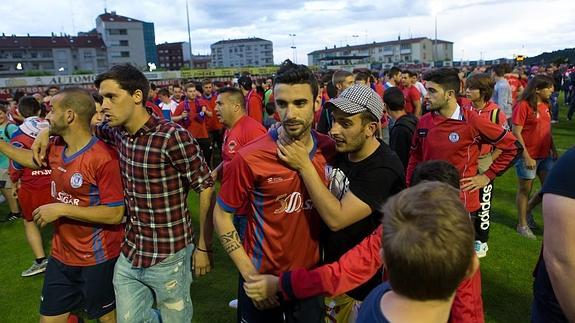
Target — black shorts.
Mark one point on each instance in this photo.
(68, 288)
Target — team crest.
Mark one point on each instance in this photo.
(76, 180)
(232, 146)
(454, 137)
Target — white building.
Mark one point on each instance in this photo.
(128, 40)
(242, 52)
(402, 51)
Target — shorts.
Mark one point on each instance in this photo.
(30, 199)
(543, 165)
(67, 288)
(5, 181)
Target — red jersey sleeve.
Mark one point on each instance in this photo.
(467, 303)
(520, 113)
(354, 268)
(237, 182)
(110, 182)
(501, 139)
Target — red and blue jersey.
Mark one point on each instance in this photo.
(89, 177)
(24, 138)
(283, 227)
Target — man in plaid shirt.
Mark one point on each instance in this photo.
(160, 161)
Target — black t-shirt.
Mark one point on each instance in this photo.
(400, 137)
(560, 181)
(372, 180)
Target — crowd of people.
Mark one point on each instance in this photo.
(343, 197)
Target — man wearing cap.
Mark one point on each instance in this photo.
(254, 102)
(365, 173)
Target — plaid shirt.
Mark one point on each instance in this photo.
(159, 164)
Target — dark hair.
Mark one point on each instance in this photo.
(362, 76)
(128, 77)
(482, 82)
(234, 94)
(393, 72)
(80, 101)
(206, 81)
(270, 108)
(499, 69)
(331, 90)
(4, 106)
(164, 92)
(394, 99)
(97, 98)
(410, 73)
(290, 73)
(153, 86)
(538, 82)
(436, 170)
(28, 106)
(427, 241)
(447, 78)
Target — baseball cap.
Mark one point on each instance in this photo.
(245, 82)
(359, 98)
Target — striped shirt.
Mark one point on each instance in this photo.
(159, 165)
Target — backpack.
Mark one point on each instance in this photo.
(6, 134)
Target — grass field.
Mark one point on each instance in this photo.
(506, 271)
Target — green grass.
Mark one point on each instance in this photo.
(506, 271)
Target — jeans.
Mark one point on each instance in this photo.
(555, 105)
(169, 280)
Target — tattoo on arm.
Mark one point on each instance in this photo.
(231, 241)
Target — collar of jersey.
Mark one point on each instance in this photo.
(274, 134)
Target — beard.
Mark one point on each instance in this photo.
(297, 133)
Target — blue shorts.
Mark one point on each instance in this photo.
(68, 288)
(543, 165)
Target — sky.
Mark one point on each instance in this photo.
(479, 29)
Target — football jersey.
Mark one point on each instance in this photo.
(283, 227)
(411, 95)
(89, 177)
(458, 141)
(536, 130)
(245, 130)
(24, 138)
(197, 123)
(212, 122)
(254, 106)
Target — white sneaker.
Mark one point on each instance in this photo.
(481, 248)
(233, 303)
(526, 232)
(35, 269)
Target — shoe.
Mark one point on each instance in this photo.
(526, 232)
(531, 222)
(12, 216)
(554, 121)
(233, 303)
(481, 248)
(35, 269)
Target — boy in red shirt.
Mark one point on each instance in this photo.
(34, 185)
(193, 114)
